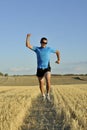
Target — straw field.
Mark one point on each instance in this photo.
(21, 108)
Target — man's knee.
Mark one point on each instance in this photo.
(47, 75)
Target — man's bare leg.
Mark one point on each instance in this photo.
(41, 85)
(48, 82)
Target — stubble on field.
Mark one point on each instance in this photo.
(21, 108)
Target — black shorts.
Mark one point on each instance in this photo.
(41, 72)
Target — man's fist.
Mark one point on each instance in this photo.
(28, 35)
(58, 62)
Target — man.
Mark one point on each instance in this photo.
(43, 64)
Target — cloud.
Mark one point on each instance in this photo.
(19, 69)
(62, 68)
(71, 67)
(80, 68)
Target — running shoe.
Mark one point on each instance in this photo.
(43, 98)
(48, 97)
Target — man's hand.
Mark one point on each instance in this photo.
(58, 62)
(28, 35)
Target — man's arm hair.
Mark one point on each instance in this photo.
(28, 41)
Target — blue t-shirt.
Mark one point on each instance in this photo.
(43, 56)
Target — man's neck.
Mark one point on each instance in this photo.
(43, 46)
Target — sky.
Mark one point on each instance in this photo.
(63, 22)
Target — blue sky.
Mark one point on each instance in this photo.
(63, 22)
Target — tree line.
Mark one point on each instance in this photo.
(1, 74)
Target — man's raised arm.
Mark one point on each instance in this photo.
(28, 41)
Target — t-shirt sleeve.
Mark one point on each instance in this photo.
(52, 50)
(34, 48)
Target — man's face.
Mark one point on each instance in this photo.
(44, 43)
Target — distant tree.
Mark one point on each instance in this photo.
(68, 74)
(1, 74)
(6, 75)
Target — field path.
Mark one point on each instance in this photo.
(42, 116)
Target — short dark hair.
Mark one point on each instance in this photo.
(43, 38)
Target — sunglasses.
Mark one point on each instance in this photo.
(44, 42)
